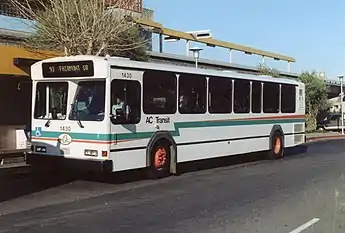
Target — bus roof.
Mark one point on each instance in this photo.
(138, 65)
(206, 72)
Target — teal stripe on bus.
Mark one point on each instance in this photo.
(175, 133)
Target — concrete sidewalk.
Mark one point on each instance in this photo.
(324, 136)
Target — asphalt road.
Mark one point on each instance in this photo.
(305, 190)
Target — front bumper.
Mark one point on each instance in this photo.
(51, 161)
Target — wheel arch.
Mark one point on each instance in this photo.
(167, 137)
(276, 128)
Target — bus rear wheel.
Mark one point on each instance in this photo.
(160, 160)
(277, 146)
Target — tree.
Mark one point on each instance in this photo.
(315, 97)
(265, 70)
(83, 27)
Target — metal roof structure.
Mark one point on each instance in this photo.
(13, 34)
(180, 60)
(7, 36)
(158, 28)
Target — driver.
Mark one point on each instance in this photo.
(120, 105)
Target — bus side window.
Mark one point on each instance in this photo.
(159, 95)
(271, 97)
(288, 98)
(220, 95)
(125, 102)
(192, 94)
(241, 96)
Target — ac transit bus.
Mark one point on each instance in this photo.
(113, 114)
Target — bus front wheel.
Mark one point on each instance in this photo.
(160, 160)
(276, 146)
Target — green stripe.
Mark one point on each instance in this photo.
(79, 136)
(176, 132)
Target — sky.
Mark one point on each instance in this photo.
(313, 32)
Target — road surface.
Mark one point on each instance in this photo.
(300, 193)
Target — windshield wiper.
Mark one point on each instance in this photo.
(47, 124)
(79, 123)
(53, 116)
(76, 114)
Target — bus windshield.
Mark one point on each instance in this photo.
(51, 100)
(89, 101)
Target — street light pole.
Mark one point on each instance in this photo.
(196, 54)
(187, 48)
(341, 102)
(200, 34)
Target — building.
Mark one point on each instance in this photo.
(132, 5)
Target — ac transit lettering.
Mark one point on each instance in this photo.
(149, 120)
(163, 120)
(157, 120)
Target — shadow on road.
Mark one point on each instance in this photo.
(20, 184)
(239, 160)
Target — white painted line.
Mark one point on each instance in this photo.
(305, 225)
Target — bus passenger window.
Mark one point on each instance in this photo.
(256, 97)
(159, 89)
(192, 94)
(125, 106)
(241, 96)
(288, 98)
(220, 95)
(271, 97)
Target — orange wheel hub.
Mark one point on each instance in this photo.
(277, 145)
(160, 157)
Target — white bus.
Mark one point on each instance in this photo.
(114, 114)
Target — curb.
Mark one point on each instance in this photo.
(314, 139)
(15, 169)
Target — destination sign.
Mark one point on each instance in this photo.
(68, 69)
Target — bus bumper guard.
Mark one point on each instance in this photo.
(69, 163)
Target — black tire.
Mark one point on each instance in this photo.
(163, 171)
(274, 154)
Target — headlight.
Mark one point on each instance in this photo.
(88, 152)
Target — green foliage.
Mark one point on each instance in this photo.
(315, 96)
(315, 92)
(265, 70)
